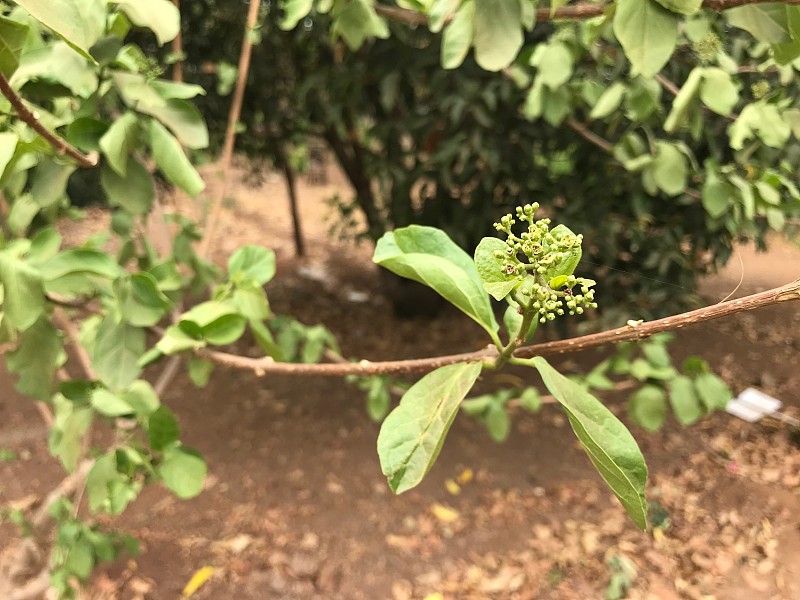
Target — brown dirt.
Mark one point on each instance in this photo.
(296, 507)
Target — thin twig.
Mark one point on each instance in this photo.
(68, 327)
(230, 135)
(583, 130)
(634, 331)
(572, 12)
(60, 144)
(177, 50)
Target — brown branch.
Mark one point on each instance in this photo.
(68, 327)
(177, 50)
(572, 12)
(583, 130)
(230, 133)
(634, 331)
(60, 144)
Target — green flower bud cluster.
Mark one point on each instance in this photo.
(760, 89)
(541, 291)
(708, 48)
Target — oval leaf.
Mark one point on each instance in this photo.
(429, 256)
(609, 444)
(412, 435)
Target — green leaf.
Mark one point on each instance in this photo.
(682, 102)
(118, 141)
(498, 33)
(531, 400)
(200, 371)
(44, 246)
(293, 12)
(760, 119)
(411, 437)
(142, 398)
(570, 259)
(141, 303)
(218, 322)
(66, 435)
(648, 407)
(429, 256)
(357, 20)
(50, 182)
(81, 260)
(719, 91)
(458, 35)
(183, 119)
(253, 263)
(183, 471)
(85, 133)
(177, 339)
(609, 101)
(498, 423)
(555, 65)
(766, 22)
(162, 429)
(116, 353)
(133, 192)
(684, 401)
(712, 391)
(669, 169)
(378, 398)
(159, 16)
(12, 41)
(648, 34)
(684, 7)
(490, 268)
(609, 444)
(109, 490)
(80, 23)
(717, 195)
(251, 302)
(8, 147)
(24, 300)
(37, 357)
(109, 404)
(439, 12)
(172, 161)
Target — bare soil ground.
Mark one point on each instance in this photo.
(296, 507)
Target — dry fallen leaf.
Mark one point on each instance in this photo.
(444, 513)
(452, 487)
(198, 579)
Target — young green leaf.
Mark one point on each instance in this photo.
(12, 41)
(37, 357)
(496, 281)
(498, 33)
(712, 391)
(648, 407)
(172, 161)
(684, 401)
(80, 23)
(162, 429)
(134, 191)
(183, 471)
(160, 16)
(684, 7)
(116, 353)
(109, 404)
(429, 256)
(458, 35)
(411, 437)
(253, 263)
(23, 300)
(648, 34)
(609, 444)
